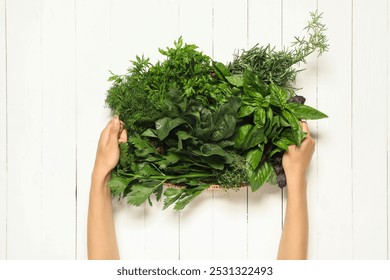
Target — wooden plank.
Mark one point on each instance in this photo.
(154, 232)
(230, 235)
(24, 96)
(58, 130)
(92, 65)
(126, 41)
(3, 132)
(195, 25)
(388, 135)
(368, 147)
(229, 28)
(295, 18)
(264, 206)
(334, 200)
(161, 227)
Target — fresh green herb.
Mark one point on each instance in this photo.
(272, 66)
(193, 122)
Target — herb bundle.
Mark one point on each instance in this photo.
(194, 122)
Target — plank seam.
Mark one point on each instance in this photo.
(76, 136)
(352, 147)
(387, 140)
(41, 122)
(6, 128)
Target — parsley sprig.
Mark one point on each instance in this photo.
(193, 122)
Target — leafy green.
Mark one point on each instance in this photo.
(193, 122)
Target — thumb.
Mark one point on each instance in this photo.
(114, 131)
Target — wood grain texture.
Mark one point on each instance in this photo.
(55, 58)
(369, 150)
(24, 115)
(334, 198)
(58, 130)
(92, 65)
(161, 227)
(388, 133)
(296, 14)
(156, 228)
(3, 132)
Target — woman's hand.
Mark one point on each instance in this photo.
(294, 240)
(297, 159)
(102, 242)
(107, 155)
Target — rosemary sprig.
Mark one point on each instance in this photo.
(277, 66)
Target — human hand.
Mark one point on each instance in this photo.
(107, 155)
(297, 159)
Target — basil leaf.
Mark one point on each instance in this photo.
(259, 176)
(292, 120)
(253, 83)
(302, 111)
(248, 136)
(241, 134)
(278, 96)
(236, 80)
(253, 157)
(284, 143)
(245, 111)
(259, 117)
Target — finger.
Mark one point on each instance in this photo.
(114, 131)
(123, 136)
(305, 127)
(104, 135)
(122, 126)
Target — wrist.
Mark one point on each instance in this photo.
(296, 185)
(100, 177)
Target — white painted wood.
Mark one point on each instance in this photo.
(229, 28)
(3, 134)
(264, 206)
(196, 22)
(369, 144)
(127, 41)
(52, 92)
(197, 228)
(296, 14)
(161, 227)
(196, 220)
(58, 130)
(92, 65)
(145, 35)
(334, 197)
(230, 233)
(388, 134)
(24, 96)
